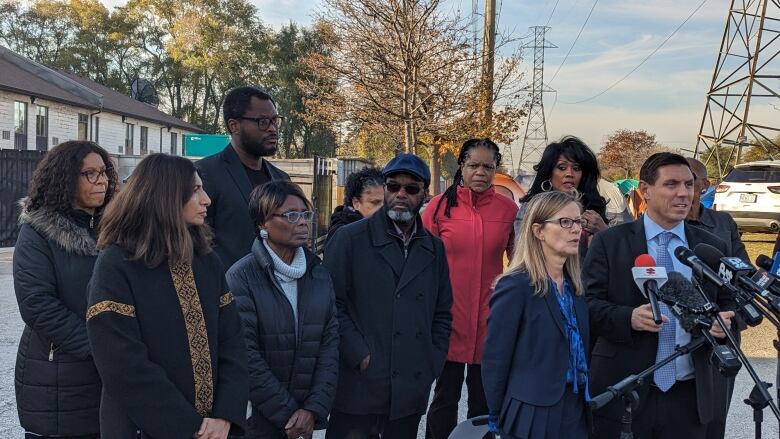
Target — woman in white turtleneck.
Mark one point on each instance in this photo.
(287, 305)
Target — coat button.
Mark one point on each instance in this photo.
(420, 296)
(397, 333)
(398, 296)
(395, 374)
(418, 335)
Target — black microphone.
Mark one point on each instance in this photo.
(700, 269)
(694, 312)
(689, 308)
(735, 270)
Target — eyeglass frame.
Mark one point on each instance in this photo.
(268, 121)
(298, 215)
(101, 173)
(405, 187)
(582, 222)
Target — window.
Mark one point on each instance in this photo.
(20, 117)
(144, 140)
(83, 125)
(174, 144)
(42, 121)
(129, 133)
(97, 129)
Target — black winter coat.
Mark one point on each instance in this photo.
(57, 385)
(342, 216)
(285, 373)
(228, 185)
(169, 346)
(393, 307)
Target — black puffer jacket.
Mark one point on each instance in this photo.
(342, 216)
(57, 385)
(286, 374)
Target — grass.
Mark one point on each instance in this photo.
(757, 341)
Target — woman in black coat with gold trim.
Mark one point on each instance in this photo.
(57, 385)
(162, 324)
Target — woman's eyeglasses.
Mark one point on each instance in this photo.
(411, 189)
(568, 223)
(295, 216)
(93, 175)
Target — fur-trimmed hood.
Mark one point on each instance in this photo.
(57, 227)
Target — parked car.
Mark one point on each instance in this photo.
(751, 194)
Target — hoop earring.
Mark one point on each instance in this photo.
(547, 189)
(263, 233)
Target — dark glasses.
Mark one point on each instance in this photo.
(411, 189)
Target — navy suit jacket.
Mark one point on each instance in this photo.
(527, 351)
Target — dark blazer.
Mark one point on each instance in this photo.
(396, 309)
(722, 225)
(286, 372)
(620, 351)
(227, 184)
(527, 349)
(57, 384)
(169, 346)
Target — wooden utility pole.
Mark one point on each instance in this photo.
(488, 60)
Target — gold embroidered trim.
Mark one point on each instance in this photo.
(187, 291)
(225, 299)
(109, 305)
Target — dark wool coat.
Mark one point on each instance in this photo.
(168, 344)
(393, 307)
(286, 373)
(57, 385)
(226, 182)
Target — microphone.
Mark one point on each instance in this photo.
(694, 312)
(769, 264)
(689, 308)
(735, 271)
(700, 269)
(648, 279)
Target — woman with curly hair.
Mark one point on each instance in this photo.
(568, 165)
(57, 385)
(364, 194)
(163, 327)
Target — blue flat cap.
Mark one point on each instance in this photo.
(408, 164)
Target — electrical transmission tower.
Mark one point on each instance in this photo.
(743, 103)
(535, 139)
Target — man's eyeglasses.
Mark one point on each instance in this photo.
(93, 175)
(411, 189)
(264, 122)
(568, 223)
(295, 216)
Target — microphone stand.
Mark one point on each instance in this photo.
(763, 398)
(626, 389)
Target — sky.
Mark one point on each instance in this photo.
(665, 97)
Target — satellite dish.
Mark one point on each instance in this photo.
(143, 90)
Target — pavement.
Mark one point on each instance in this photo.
(756, 342)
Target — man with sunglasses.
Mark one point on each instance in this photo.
(393, 297)
(230, 176)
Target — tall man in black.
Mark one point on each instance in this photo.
(677, 401)
(393, 297)
(229, 176)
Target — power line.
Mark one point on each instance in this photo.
(669, 37)
(555, 6)
(575, 41)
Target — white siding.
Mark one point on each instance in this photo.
(63, 126)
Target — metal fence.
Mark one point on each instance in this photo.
(16, 170)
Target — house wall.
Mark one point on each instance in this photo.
(63, 126)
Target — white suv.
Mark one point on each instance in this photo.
(751, 194)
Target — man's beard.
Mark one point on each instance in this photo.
(258, 149)
(400, 217)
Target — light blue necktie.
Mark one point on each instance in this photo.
(666, 376)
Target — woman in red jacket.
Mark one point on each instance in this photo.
(475, 223)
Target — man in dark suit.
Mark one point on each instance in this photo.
(393, 297)
(677, 401)
(230, 175)
(722, 225)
